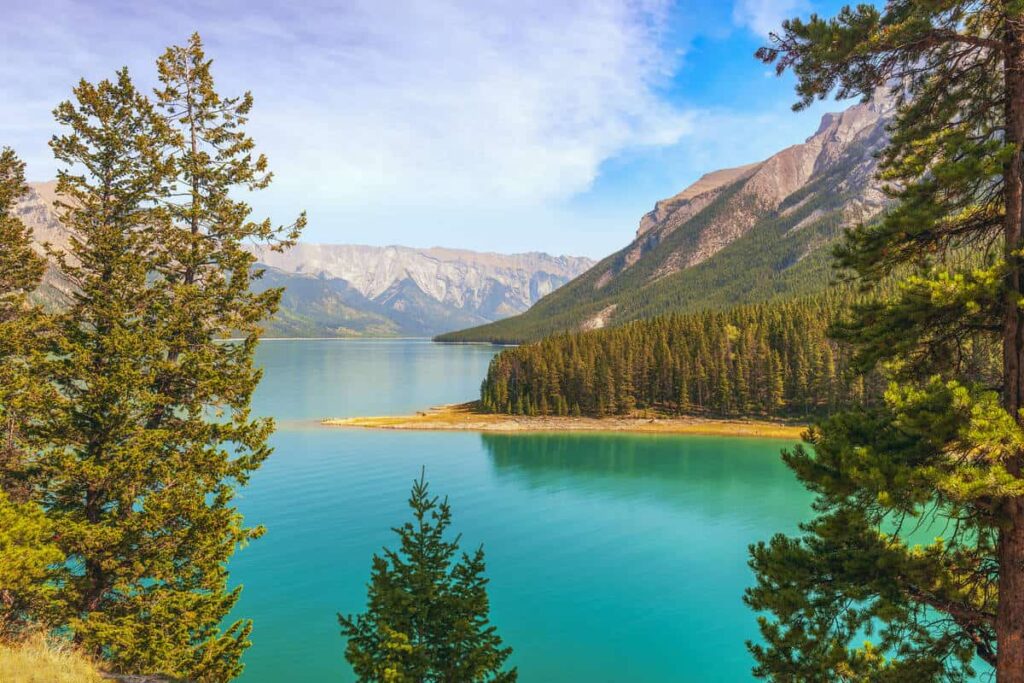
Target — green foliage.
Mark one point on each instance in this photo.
(22, 268)
(918, 540)
(427, 612)
(894, 553)
(772, 359)
(27, 554)
(27, 551)
(146, 431)
(22, 329)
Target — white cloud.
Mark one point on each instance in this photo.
(461, 102)
(442, 102)
(459, 122)
(765, 16)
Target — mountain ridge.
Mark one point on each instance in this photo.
(736, 235)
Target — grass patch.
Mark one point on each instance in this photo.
(39, 660)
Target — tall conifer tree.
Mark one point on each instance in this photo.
(153, 432)
(20, 328)
(943, 457)
(124, 595)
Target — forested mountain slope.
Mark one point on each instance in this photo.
(738, 235)
(353, 290)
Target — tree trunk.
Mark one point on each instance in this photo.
(1010, 614)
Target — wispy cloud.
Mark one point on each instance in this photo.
(765, 16)
(369, 101)
(463, 102)
(477, 123)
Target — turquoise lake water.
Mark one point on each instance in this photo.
(612, 557)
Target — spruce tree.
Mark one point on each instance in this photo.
(427, 612)
(918, 540)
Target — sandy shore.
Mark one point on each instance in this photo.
(466, 417)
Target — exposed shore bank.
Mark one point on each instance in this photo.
(467, 417)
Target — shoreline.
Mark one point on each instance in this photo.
(465, 417)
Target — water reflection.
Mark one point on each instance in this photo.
(712, 475)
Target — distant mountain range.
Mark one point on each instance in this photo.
(351, 290)
(737, 235)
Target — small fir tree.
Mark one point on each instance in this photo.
(427, 612)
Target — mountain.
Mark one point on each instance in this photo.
(37, 212)
(352, 290)
(737, 235)
(421, 291)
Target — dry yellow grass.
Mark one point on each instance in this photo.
(40, 661)
(467, 417)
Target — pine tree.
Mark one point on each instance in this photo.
(683, 406)
(427, 612)
(944, 453)
(776, 384)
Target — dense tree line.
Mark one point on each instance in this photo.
(770, 359)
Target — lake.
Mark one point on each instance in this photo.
(612, 557)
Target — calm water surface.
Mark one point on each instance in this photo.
(612, 557)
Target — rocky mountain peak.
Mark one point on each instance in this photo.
(737, 235)
(849, 136)
(692, 199)
(489, 284)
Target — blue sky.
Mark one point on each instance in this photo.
(524, 125)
